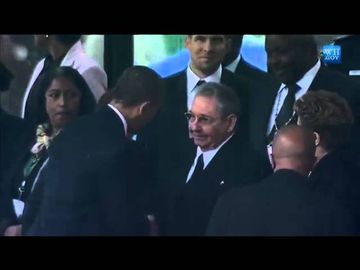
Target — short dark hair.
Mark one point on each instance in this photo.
(228, 100)
(68, 39)
(328, 114)
(236, 40)
(138, 84)
(87, 102)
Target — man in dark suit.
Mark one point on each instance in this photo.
(96, 181)
(283, 204)
(335, 174)
(236, 63)
(168, 138)
(294, 60)
(221, 161)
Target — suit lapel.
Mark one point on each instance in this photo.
(319, 80)
(214, 172)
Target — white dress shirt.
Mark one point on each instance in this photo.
(92, 72)
(207, 156)
(304, 84)
(233, 65)
(192, 80)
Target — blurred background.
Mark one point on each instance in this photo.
(164, 53)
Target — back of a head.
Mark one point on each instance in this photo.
(138, 84)
(294, 149)
(328, 114)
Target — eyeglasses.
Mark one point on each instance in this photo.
(201, 119)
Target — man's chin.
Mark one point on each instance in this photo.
(199, 142)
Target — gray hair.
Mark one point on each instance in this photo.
(227, 98)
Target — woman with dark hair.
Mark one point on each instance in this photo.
(63, 50)
(63, 96)
(336, 173)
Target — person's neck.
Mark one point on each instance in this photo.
(201, 74)
(55, 131)
(230, 58)
(320, 153)
(292, 165)
(128, 114)
(58, 50)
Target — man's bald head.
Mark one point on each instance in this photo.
(294, 148)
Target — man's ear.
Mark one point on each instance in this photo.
(232, 118)
(317, 139)
(143, 107)
(187, 41)
(272, 161)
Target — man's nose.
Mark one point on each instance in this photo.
(208, 46)
(194, 125)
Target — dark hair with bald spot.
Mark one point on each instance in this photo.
(294, 149)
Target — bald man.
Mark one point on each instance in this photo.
(282, 205)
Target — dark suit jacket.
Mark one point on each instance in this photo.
(167, 138)
(11, 184)
(191, 204)
(337, 176)
(15, 134)
(281, 205)
(261, 103)
(95, 182)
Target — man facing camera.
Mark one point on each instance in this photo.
(222, 159)
(206, 55)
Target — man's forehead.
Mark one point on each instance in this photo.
(205, 105)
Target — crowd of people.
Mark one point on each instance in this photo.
(219, 149)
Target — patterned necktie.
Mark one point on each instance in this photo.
(286, 113)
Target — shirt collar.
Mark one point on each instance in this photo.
(308, 78)
(233, 65)
(74, 52)
(209, 155)
(192, 78)
(121, 117)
